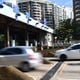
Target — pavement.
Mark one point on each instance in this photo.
(52, 58)
(70, 71)
(40, 71)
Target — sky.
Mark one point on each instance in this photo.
(66, 3)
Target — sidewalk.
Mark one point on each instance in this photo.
(41, 70)
(51, 58)
(71, 71)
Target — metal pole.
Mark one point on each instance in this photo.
(27, 40)
(8, 37)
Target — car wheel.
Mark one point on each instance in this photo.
(63, 57)
(25, 67)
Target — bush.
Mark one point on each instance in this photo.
(47, 53)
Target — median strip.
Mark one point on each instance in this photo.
(52, 71)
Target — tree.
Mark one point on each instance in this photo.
(65, 30)
(68, 29)
(1, 37)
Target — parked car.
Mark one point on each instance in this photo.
(20, 56)
(72, 52)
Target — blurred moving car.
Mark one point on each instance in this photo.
(20, 56)
(72, 52)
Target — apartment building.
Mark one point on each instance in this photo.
(38, 10)
(59, 14)
(76, 8)
(43, 9)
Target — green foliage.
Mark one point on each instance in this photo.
(1, 37)
(68, 29)
(65, 30)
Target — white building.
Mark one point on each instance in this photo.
(69, 12)
(21, 31)
(39, 9)
(59, 14)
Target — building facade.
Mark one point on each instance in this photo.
(76, 9)
(38, 10)
(20, 31)
(69, 12)
(43, 9)
(59, 14)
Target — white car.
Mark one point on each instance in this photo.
(72, 52)
(20, 56)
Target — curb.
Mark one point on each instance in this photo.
(58, 71)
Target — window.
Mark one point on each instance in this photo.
(75, 47)
(11, 51)
(30, 51)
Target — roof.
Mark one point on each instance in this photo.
(21, 47)
(8, 11)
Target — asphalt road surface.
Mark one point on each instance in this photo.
(41, 70)
(70, 70)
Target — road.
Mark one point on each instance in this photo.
(69, 70)
(41, 70)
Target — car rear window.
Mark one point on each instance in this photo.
(30, 51)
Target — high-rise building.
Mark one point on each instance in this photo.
(59, 14)
(76, 8)
(38, 10)
(69, 12)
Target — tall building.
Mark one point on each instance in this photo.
(38, 10)
(59, 14)
(69, 12)
(43, 9)
(76, 8)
